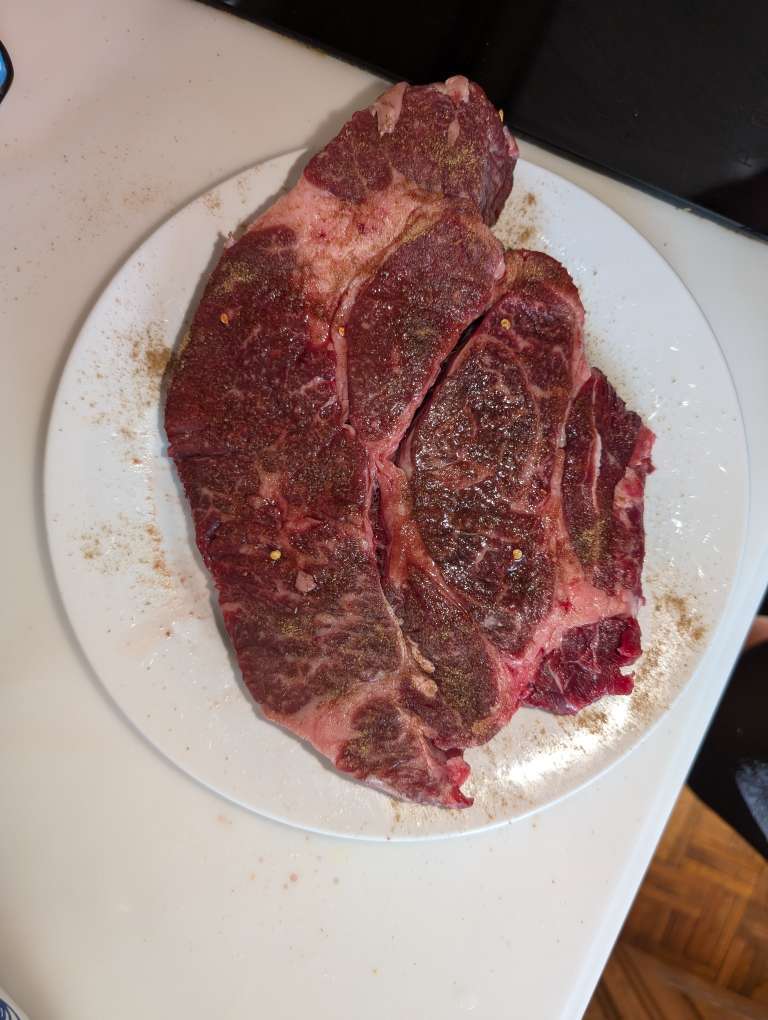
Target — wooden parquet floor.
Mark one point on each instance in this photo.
(695, 944)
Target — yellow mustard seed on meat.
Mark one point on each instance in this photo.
(505, 323)
(275, 555)
(501, 116)
(517, 554)
(224, 319)
(342, 331)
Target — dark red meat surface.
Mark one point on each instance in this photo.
(398, 572)
(515, 511)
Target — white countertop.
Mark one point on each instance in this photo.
(126, 888)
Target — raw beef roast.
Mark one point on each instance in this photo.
(397, 581)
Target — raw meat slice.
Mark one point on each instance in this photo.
(278, 365)
(586, 665)
(400, 323)
(522, 553)
(446, 139)
(607, 458)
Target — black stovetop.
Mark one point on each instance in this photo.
(672, 96)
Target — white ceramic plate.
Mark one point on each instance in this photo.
(141, 603)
